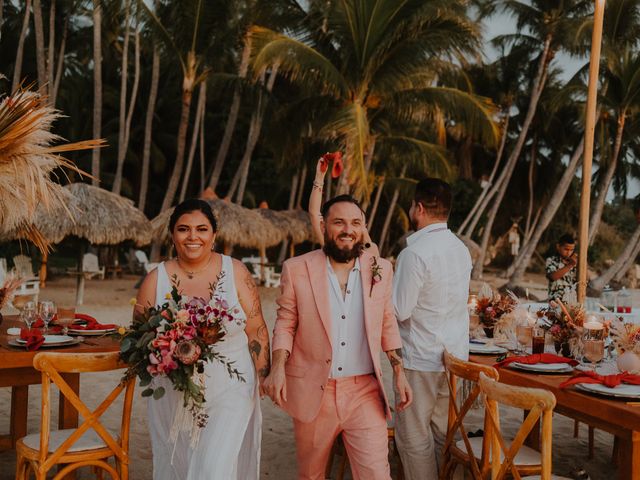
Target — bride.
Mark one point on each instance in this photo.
(229, 444)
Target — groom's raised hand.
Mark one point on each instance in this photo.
(275, 385)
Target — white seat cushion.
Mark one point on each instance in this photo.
(90, 440)
(525, 456)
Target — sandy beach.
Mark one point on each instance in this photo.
(108, 301)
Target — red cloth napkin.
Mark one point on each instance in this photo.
(537, 358)
(33, 337)
(52, 328)
(610, 381)
(91, 323)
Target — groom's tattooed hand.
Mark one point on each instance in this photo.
(395, 357)
(255, 348)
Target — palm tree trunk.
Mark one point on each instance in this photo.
(368, 160)
(60, 64)
(52, 48)
(532, 164)
(303, 179)
(376, 202)
(1, 17)
(202, 98)
(292, 198)
(516, 271)
(187, 93)
(148, 127)
(232, 119)
(599, 283)
(392, 207)
(40, 51)
(124, 77)
(202, 158)
(17, 71)
(254, 134)
(97, 89)
(628, 263)
(536, 91)
(598, 207)
(480, 202)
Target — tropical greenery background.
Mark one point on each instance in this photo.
(242, 96)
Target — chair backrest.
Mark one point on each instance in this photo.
(23, 266)
(90, 263)
(460, 369)
(52, 364)
(539, 403)
(141, 257)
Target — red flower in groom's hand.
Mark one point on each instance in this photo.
(338, 166)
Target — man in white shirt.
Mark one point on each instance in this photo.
(430, 291)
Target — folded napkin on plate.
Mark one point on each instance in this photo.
(90, 323)
(610, 381)
(33, 337)
(52, 328)
(537, 358)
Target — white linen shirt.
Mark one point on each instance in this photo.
(350, 350)
(430, 292)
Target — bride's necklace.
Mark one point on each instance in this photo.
(191, 273)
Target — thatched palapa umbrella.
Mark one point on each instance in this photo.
(97, 215)
(27, 159)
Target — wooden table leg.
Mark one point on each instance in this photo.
(67, 414)
(19, 411)
(629, 455)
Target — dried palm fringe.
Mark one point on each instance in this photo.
(188, 418)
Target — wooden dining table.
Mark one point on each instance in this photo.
(17, 372)
(616, 416)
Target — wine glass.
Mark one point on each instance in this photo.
(524, 335)
(594, 351)
(66, 316)
(47, 310)
(28, 313)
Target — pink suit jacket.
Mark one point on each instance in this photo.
(303, 327)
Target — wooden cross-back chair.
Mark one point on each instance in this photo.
(540, 404)
(91, 444)
(472, 453)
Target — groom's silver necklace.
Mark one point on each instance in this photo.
(192, 273)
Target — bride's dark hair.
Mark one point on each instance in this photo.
(193, 205)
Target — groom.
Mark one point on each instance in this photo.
(334, 316)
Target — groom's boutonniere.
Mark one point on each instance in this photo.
(376, 274)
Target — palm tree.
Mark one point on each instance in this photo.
(97, 88)
(372, 63)
(17, 71)
(622, 76)
(549, 23)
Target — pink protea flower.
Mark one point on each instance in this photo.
(187, 352)
(182, 316)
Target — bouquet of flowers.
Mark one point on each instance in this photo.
(492, 307)
(625, 336)
(175, 340)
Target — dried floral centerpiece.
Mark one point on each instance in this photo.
(564, 323)
(10, 284)
(175, 340)
(492, 308)
(626, 338)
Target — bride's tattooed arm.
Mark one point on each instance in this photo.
(256, 328)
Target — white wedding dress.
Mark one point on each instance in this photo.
(229, 445)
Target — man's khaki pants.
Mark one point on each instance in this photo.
(421, 428)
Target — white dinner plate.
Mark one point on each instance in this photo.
(51, 340)
(16, 342)
(622, 390)
(543, 367)
(486, 349)
(89, 333)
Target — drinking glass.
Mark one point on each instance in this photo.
(594, 351)
(47, 310)
(66, 316)
(28, 313)
(524, 335)
(537, 340)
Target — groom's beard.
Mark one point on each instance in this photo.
(342, 255)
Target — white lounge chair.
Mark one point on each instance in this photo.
(24, 267)
(28, 287)
(91, 267)
(143, 260)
